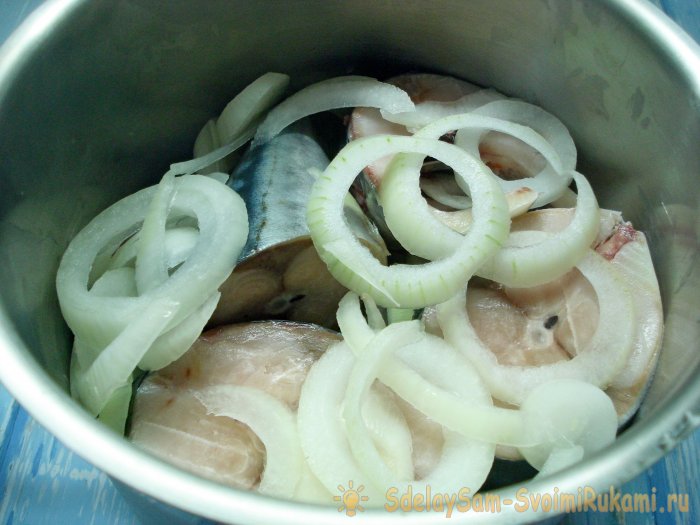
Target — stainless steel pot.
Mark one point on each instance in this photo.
(97, 97)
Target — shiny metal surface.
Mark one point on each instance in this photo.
(96, 98)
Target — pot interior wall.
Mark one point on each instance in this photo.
(110, 99)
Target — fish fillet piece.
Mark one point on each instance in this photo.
(169, 421)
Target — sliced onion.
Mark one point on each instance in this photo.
(234, 127)
(189, 167)
(563, 418)
(375, 320)
(577, 418)
(397, 315)
(443, 189)
(223, 225)
(526, 261)
(114, 333)
(341, 92)
(311, 490)
(559, 459)
(179, 243)
(403, 286)
(273, 422)
(207, 140)
(119, 282)
(597, 364)
(433, 395)
(552, 181)
(151, 266)
(250, 105)
(361, 378)
(463, 462)
(407, 213)
(116, 411)
(112, 368)
(170, 345)
(432, 110)
(321, 430)
(387, 430)
(541, 121)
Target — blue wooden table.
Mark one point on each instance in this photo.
(42, 482)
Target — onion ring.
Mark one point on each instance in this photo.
(403, 286)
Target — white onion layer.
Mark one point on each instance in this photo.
(340, 92)
(432, 110)
(463, 462)
(577, 418)
(565, 418)
(530, 260)
(249, 105)
(404, 286)
(116, 332)
(426, 374)
(407, 213)
(553, 179)
(321, 430)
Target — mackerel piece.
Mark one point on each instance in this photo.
(279, 275)
(274, 180)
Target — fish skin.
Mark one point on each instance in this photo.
(279, 274)
(273, 177)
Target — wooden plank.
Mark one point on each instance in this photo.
(43, 483)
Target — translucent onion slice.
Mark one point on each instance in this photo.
(597, 364)
(273, 422)
(119, 282)
(577, 418)
(223, 226)
(116, 412)
(431, 110)
(222, 136)
(310, 489)
(566, 418)
(541, 121)
(361, 378)
(552, 181)
(378, 413)
(444, 190)
(340, 92)
(179, 243)
(189, 167)
(426, 374)
(151, 267)
(115, 333)
(463, 462)
(112, 368)
(321, 429)
(399, 285)
(375, 320)
(559, 459)
(407, 213)
(170, 345)
(207, 140)
(530, 261)
(250, 104)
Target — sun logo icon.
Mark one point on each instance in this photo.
(350, 499)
